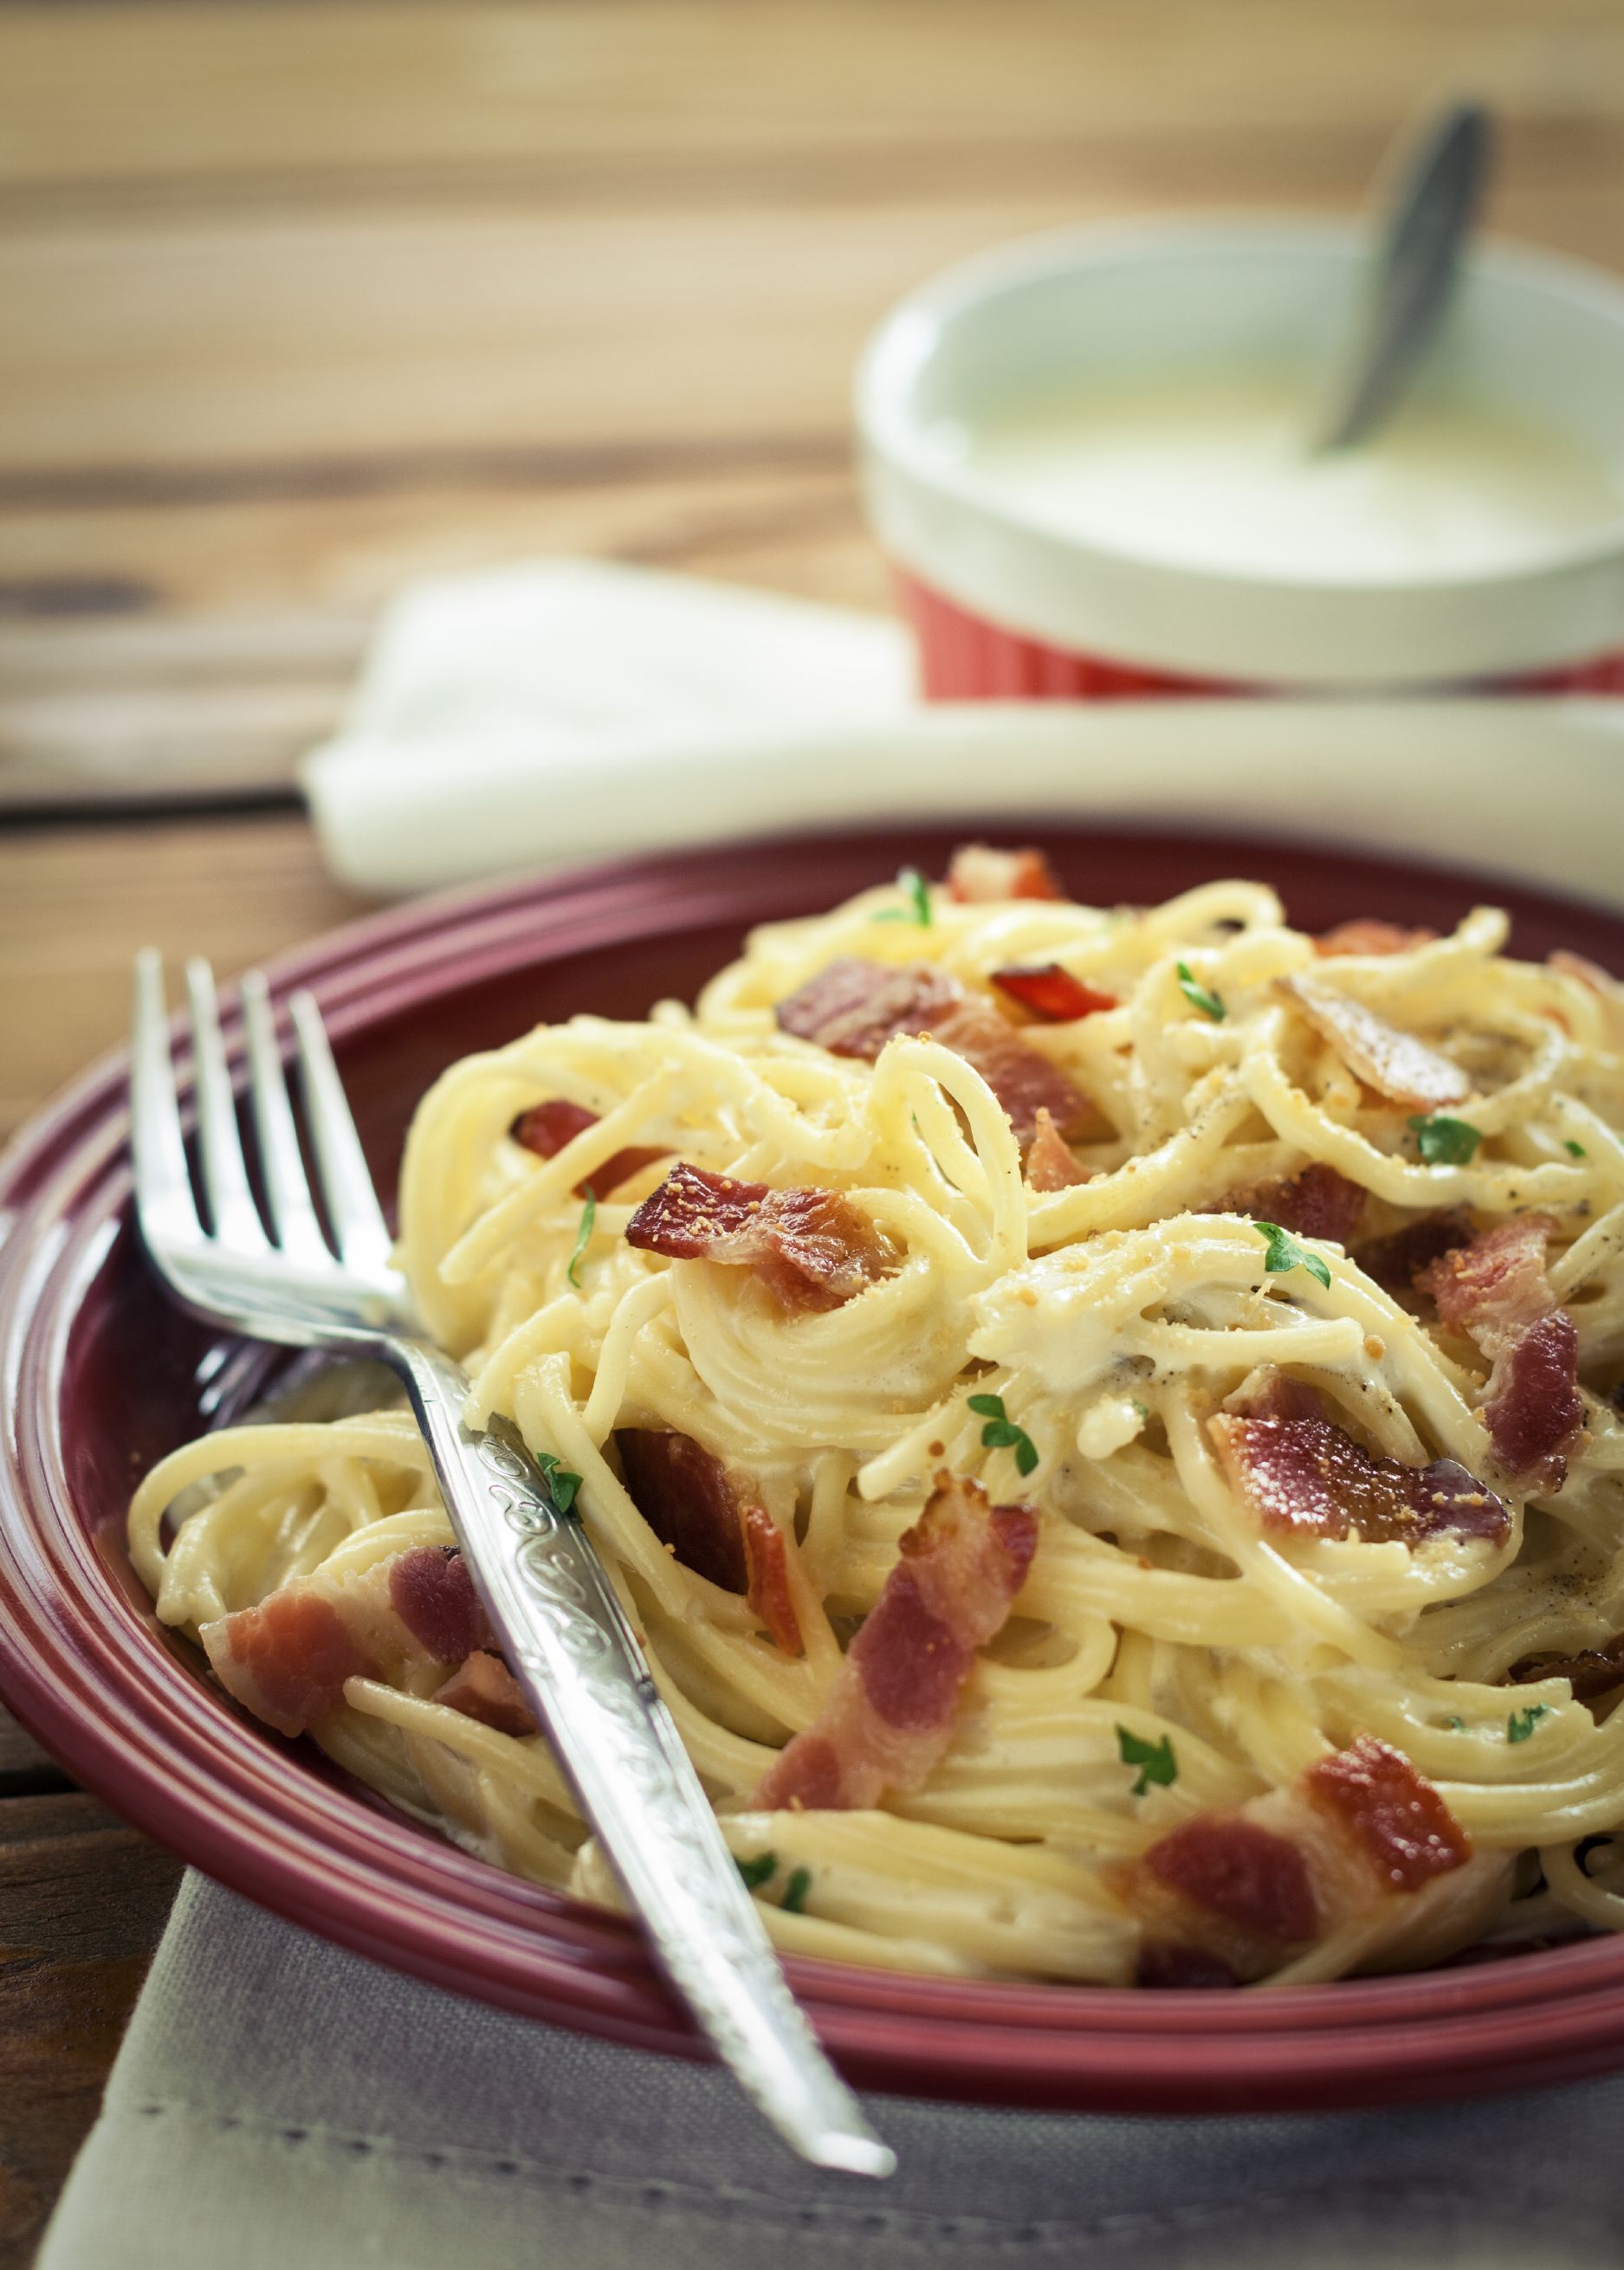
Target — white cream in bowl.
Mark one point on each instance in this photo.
(1213, 471)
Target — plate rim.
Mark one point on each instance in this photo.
(66, 1182)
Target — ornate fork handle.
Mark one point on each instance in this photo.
(578, 1661)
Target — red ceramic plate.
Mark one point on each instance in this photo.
(101, 1376)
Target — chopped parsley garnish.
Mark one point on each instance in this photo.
(1521, 1724)
(1197, 996)
(560, 1480)
(1002, 1434)
(1154, 1760)
(1455, 1725)
(589, 1215)
(913, 882)
(1285, 1253)
(1444, 1142)
(755, 1873)
(795, 1897)
(1574, 1150)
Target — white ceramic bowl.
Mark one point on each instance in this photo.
(1006, 606)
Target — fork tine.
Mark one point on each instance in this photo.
(163, 1185)
(234, 1216)
(293, 1216)
(353, 1207)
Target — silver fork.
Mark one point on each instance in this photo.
(546, 1591)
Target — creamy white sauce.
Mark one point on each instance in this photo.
(1212, 472)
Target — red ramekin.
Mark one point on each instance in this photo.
(1006, 607)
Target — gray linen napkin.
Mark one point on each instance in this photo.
(280, 2104)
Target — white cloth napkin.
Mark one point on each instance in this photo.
(557, 709)
(279, 2104)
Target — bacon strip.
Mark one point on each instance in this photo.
(287, 1657)
(1316, 1202)
(1588, 972)
(1592, 1673)
(1393, 1061)
(686, 1495)
(1396, 1263)
(978, 875)
(1367, 935)
(431, 1592)
(1405, 1832)
(1496, 1290)
(1230, 1895)
(547, 1127)
(890, 1712)
(483, 1687)
(812, 1248)
(1052, 993)
(1301, 1476)
(854, 1007)
(1024, 1081)
(1049, 1163)
(768, 1558)
(711, 1517)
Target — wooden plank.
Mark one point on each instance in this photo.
(723, 198)
(325, 338)
(174, 700)
(800, 531)
(76, 905)
(25, 1769)
(82, 1903)
(119, 93)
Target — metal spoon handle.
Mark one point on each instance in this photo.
(572, 1651)
(1430, 219)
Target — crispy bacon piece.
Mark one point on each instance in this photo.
(1406, 1833)
(1395, 1262)
(1496, 1290)
(1052, 993)
(1579, 966)
(854, 1007)
(1392, 1061)
(1049, 1163)
(1365, 934)
(686, 1495)
(1164, 1962)
(711, 1517)
(431, 1592)
(287, 1657)
(1024, 1081)
(1303, 1477)
(890, 1712)
(768, 1594)
(1230, 1895)
(1245, 1873)
(1592, 1673)
(547, 1127)
(483, 1687)
(978, 875)
(812, 1248)
(1316, 1202)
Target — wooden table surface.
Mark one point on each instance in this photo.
(302, 301)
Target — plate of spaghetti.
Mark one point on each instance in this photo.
(1094, 1366)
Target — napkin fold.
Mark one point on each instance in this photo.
(557, 709)
(280, 2101)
